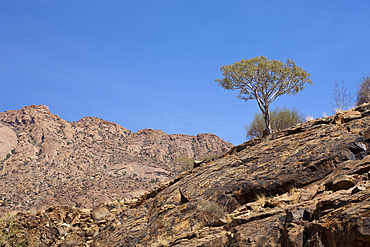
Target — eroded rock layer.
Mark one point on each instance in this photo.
(47, 161)
(304, 186)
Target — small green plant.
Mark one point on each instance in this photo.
(184, 163)
(10, 235)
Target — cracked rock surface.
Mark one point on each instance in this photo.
(304, 186)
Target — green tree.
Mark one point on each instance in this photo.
(281, 118)
(363, 93)
(264, 80)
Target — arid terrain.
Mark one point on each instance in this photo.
(47, 161)
(304, 186)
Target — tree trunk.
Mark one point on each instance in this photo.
(267, 121)
(266, 114)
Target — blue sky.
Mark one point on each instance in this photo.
(153, 64)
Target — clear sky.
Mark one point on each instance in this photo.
(153, 63)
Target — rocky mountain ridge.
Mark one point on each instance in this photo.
(47, 161)
(304, 186)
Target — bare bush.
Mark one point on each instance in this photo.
(363, 93)
(210, 212)
(342, 99)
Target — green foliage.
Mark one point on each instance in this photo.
(264, 80)
(10, 235)
(184, 163)
(281, 118)
(363, 93)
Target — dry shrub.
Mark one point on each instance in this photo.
(363, 93)
(210, 212)
(99, 213)
(342, 99)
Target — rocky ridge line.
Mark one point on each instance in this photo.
(305, 186)
(47, 161)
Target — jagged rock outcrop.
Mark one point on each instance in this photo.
(46, 161)
(304, 186)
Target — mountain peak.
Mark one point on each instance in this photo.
(46, 161)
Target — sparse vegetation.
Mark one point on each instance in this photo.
(183, 163)
(363, 93)
(211, 212)
(10, 235)
(76, 165)
(281, 118)
(342, 99)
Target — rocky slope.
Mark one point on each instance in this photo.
(305, 186)
(47, 161)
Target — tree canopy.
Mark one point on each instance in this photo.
(264, 80)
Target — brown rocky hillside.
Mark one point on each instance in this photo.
(47, 161)
(305, 186)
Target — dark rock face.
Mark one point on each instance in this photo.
(306, 186)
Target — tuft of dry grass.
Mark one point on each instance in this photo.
(261, 199)
(309, 118)
(294, 189)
